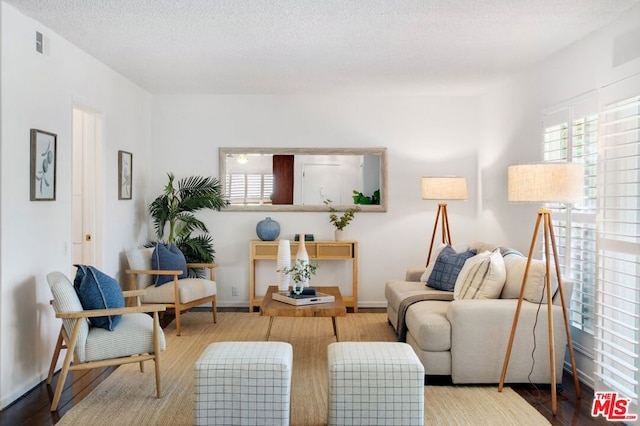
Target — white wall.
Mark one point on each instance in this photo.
(424, 135)
(38, 91)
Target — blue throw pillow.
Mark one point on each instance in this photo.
(168, 259)
(97, 290)
(447, 267)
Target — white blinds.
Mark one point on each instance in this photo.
(571, 134)
(618, 247)
(249, 188)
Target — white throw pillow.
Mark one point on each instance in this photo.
(482, 277)
(458, 248)
(534, 291)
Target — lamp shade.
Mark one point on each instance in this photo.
(444, 188)
(546, 182)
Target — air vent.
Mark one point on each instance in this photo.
(39, 43)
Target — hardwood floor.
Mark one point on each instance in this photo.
(571, 411)
(33, 408)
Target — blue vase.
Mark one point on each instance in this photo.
(268, 229)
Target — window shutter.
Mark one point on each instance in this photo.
(247, 188)
(571, 134)
(618, 288)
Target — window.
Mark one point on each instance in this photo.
(598, 240)
(571, 134)
(617, 337)
(247, 188)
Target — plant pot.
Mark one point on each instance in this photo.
(338, 235)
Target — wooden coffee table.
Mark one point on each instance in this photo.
(273, 308)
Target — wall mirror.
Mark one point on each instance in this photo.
(300, 179)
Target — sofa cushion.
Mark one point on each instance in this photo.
(168, 259)
(97, 290)
(458, 248)
(482, 277)
(428, 324)
(447, 267)
(480, 246)
(534, 290)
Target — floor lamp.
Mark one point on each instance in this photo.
(443, 188)
(545, 182)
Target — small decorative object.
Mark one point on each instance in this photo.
(307, 237)
(43, 165)
(341, 222)
(268, 229)
(300, 273)
(302, 256)
(283, 263)
(125, 175)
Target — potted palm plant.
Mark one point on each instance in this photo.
(176, 207)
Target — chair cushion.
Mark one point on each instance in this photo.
(65, 299)
(97, 290)
(134, 335)
(167, 259)
(447, 267)
(140, 259)
(190, 289)
(481, 277)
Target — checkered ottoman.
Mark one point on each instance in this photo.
(375, 383)
(243, 383)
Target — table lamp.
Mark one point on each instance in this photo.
(443, 188)
(543, 183)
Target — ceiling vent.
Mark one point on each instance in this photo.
(39, 42)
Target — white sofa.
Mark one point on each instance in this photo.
(468, 339)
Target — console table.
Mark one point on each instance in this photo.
(318, 250)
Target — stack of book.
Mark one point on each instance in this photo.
(306, 298)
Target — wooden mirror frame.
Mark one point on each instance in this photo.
(382, 152)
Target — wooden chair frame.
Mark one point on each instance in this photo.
(176, 305)
(67, 342)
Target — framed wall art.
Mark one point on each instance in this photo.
(43, 166)
(125, 175)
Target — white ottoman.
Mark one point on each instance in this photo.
(243, 383)
(375, 383)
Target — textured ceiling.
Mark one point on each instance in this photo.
(321, 46)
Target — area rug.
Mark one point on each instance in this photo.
(127, 396)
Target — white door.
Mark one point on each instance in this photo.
(321, 182)
(86, 184)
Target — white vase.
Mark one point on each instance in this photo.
(283, 261)
(302, 256)
(338, 235)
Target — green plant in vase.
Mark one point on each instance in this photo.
(340, 222)
(300, 273)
